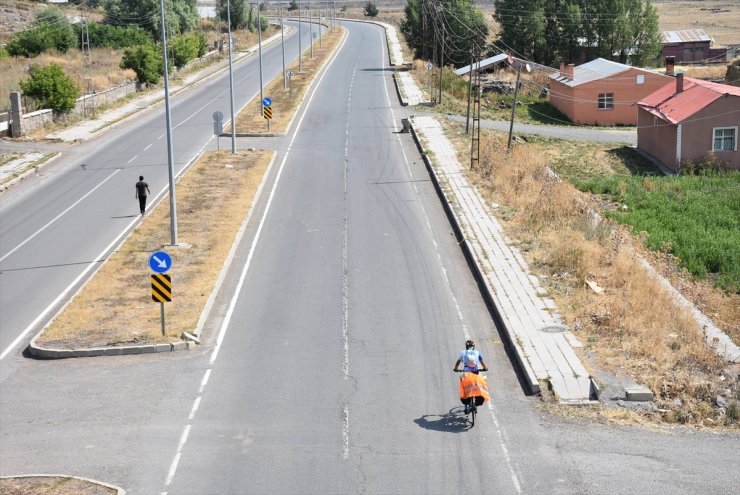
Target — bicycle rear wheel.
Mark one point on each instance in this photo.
(473, 411)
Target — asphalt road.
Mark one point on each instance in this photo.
(57, 229)
(326, 367)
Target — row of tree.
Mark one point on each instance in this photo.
(544, 31)
(549, 31)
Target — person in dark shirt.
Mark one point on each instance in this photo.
(142, 189)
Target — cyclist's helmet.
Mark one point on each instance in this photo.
(470, 344)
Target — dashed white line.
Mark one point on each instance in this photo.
(204, 381)
(194, 409)
(149, 146)
(132, 159)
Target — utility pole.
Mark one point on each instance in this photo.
(441, 66)
(168, 119)
(310, 27)
(475, 134)
(86, 63)
(513, 104)
(470, 86)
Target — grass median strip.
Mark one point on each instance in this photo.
(286, 101)
(115, 308)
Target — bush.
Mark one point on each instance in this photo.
(371, 10)
(184, 49)
(146, 61)
(105, 35)
(51, 87)
(50, 31)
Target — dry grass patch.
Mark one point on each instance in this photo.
(285, 101)
(634, 329)
(115, 308)
(52, 485)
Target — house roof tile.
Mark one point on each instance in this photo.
(591, 71)
(677, 107)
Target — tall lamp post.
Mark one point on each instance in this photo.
(231, 80)
(168, 119)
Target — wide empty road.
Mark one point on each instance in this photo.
(327, 367)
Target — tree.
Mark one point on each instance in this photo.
(549, 31)
(50, 31)
(180, 15)
(293, 5)
(371, 10)
(146, 61)
(522, 28)
(239, 13)
(51, 87)
(457, 21)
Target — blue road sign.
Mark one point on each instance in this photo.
(266, 102)
(160, 262)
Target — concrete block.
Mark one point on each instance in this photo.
(163, 348)
(638, 393)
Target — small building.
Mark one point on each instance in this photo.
(688, 119)
(691, 45)
(602, 92)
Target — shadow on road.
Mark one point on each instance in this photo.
(452, 422)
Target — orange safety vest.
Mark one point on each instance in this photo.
(472, 385)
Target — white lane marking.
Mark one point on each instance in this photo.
(132, 159)
(345, 433)
(204, 381)
(514, 478)
(176, 460)
(194, 409)
(242, 277)
(59, 216)
(345, 236)
(149, 146)
(504, 449)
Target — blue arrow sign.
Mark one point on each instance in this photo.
(160, 262)
(266, 102)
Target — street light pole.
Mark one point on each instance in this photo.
(300, 38)
(168, 119)
(231, 80)
(282, 37)
(259, 46)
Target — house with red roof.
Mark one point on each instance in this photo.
(689, 119)
(602, 92)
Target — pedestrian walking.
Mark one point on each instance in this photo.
(142, 189)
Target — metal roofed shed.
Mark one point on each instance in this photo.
(483, 64)
(591, 71)
(685, 35)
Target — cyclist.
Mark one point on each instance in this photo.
(472, 388)
(470, 358)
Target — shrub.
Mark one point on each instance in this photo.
(371, 10)
(184, 49)
(146, 61)
(50, 31)
(51, 87)
(105, 35)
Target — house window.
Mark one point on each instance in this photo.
(606, 101)
(725, 139)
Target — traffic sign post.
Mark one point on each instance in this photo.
(290, 84)
(218, 127)
(160, 262)
(267, 110)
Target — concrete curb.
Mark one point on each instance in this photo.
(30, 171)
(404, 102)
(232, 253)
(119, 490)
(526, 371)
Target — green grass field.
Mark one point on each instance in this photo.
(696, 218)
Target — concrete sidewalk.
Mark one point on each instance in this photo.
(542, 343)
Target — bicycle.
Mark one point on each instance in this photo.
(472, 407)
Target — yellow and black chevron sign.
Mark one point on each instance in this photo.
(161, 288)
(267, 112)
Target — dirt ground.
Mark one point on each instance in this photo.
(52, 485)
